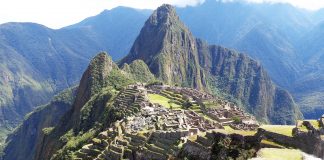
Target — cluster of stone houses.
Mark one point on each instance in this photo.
(187, 92)
(156, 117)
(225, 112)
(154, 129)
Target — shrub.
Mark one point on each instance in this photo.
(187, 104)
(237, 120)
(47, 130)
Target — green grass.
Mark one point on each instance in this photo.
(264, 141)
(280, 129)
(210, 104)
(156, 98)
(315, 123)
(229, 130)
(280, 154)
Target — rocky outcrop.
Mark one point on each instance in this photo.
(176, 57)
(217, 145)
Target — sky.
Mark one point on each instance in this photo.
(59, 13)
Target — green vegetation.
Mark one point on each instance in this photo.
(118, 80)
(177, 98)
(211, 104)
(315, 123)
(139, 71)
(229, 130)
(166, 102)
(155, 82)
(237, 120)
(267, 142)
(187, 104)
(302, 127)
(280, 154)
(47, 130)
(196, 108)
(73, 143)
(280, 129)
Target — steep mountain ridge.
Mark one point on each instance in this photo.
(22, 143)
(176, 57)
(37, 62)
(165, 39)
(98, 88)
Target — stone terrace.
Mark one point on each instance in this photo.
(155, 131)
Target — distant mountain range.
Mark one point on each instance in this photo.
(37, 62)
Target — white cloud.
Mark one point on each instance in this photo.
(59, 13)
(306, 4)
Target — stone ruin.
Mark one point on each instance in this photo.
(154, 130)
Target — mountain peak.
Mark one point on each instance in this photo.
(167, 46)
(163, 15)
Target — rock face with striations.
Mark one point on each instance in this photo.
(176, 57)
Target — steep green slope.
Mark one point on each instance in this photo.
(138, 71)
(176, 57)
(21, 144)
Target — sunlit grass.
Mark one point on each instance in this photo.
(280, 154)
(264, 141)
(164, 101)
(315, 123)
(229, 130)
(280, 129)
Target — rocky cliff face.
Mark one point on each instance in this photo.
(23, 142)
(176, 57)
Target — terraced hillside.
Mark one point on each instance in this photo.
(116, 117)
(157, 131)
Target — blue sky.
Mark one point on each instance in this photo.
(59, 13)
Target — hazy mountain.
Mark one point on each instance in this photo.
(308, 87)
(114, 29)
(24, 141)
(264, 31)
(36, 62)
